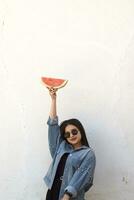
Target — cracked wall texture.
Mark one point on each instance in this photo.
(91, 43)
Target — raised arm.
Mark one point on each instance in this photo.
(53, 109)
(54, 137)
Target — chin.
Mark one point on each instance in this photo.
(71, 142)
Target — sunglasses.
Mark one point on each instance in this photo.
(73, 132)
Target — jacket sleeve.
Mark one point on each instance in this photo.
(83, 176)
(54, 137)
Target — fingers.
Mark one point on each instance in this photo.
(52, 90)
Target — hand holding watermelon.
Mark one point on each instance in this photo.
(52, 92)
(53, 84)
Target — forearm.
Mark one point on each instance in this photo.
(53, 109)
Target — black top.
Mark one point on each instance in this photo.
(53, 194)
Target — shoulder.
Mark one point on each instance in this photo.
(85, 153)
(90, 153)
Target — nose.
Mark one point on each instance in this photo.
(72, 136)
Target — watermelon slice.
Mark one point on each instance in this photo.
(54, 82)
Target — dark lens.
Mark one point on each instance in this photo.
(67, 135)
(74, 131)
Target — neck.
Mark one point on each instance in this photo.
(76, 146)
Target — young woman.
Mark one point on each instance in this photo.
(71, 172)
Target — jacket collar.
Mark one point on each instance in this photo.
(81, 147)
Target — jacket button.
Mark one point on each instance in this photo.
(61, 178)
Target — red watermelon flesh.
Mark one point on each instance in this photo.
(54, 82)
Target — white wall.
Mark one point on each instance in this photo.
(91, 43)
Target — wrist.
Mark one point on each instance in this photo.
(53, 99)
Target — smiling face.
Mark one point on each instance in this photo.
(74, 140)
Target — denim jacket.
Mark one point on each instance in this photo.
(79, 168)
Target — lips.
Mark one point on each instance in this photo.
(73, 139)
